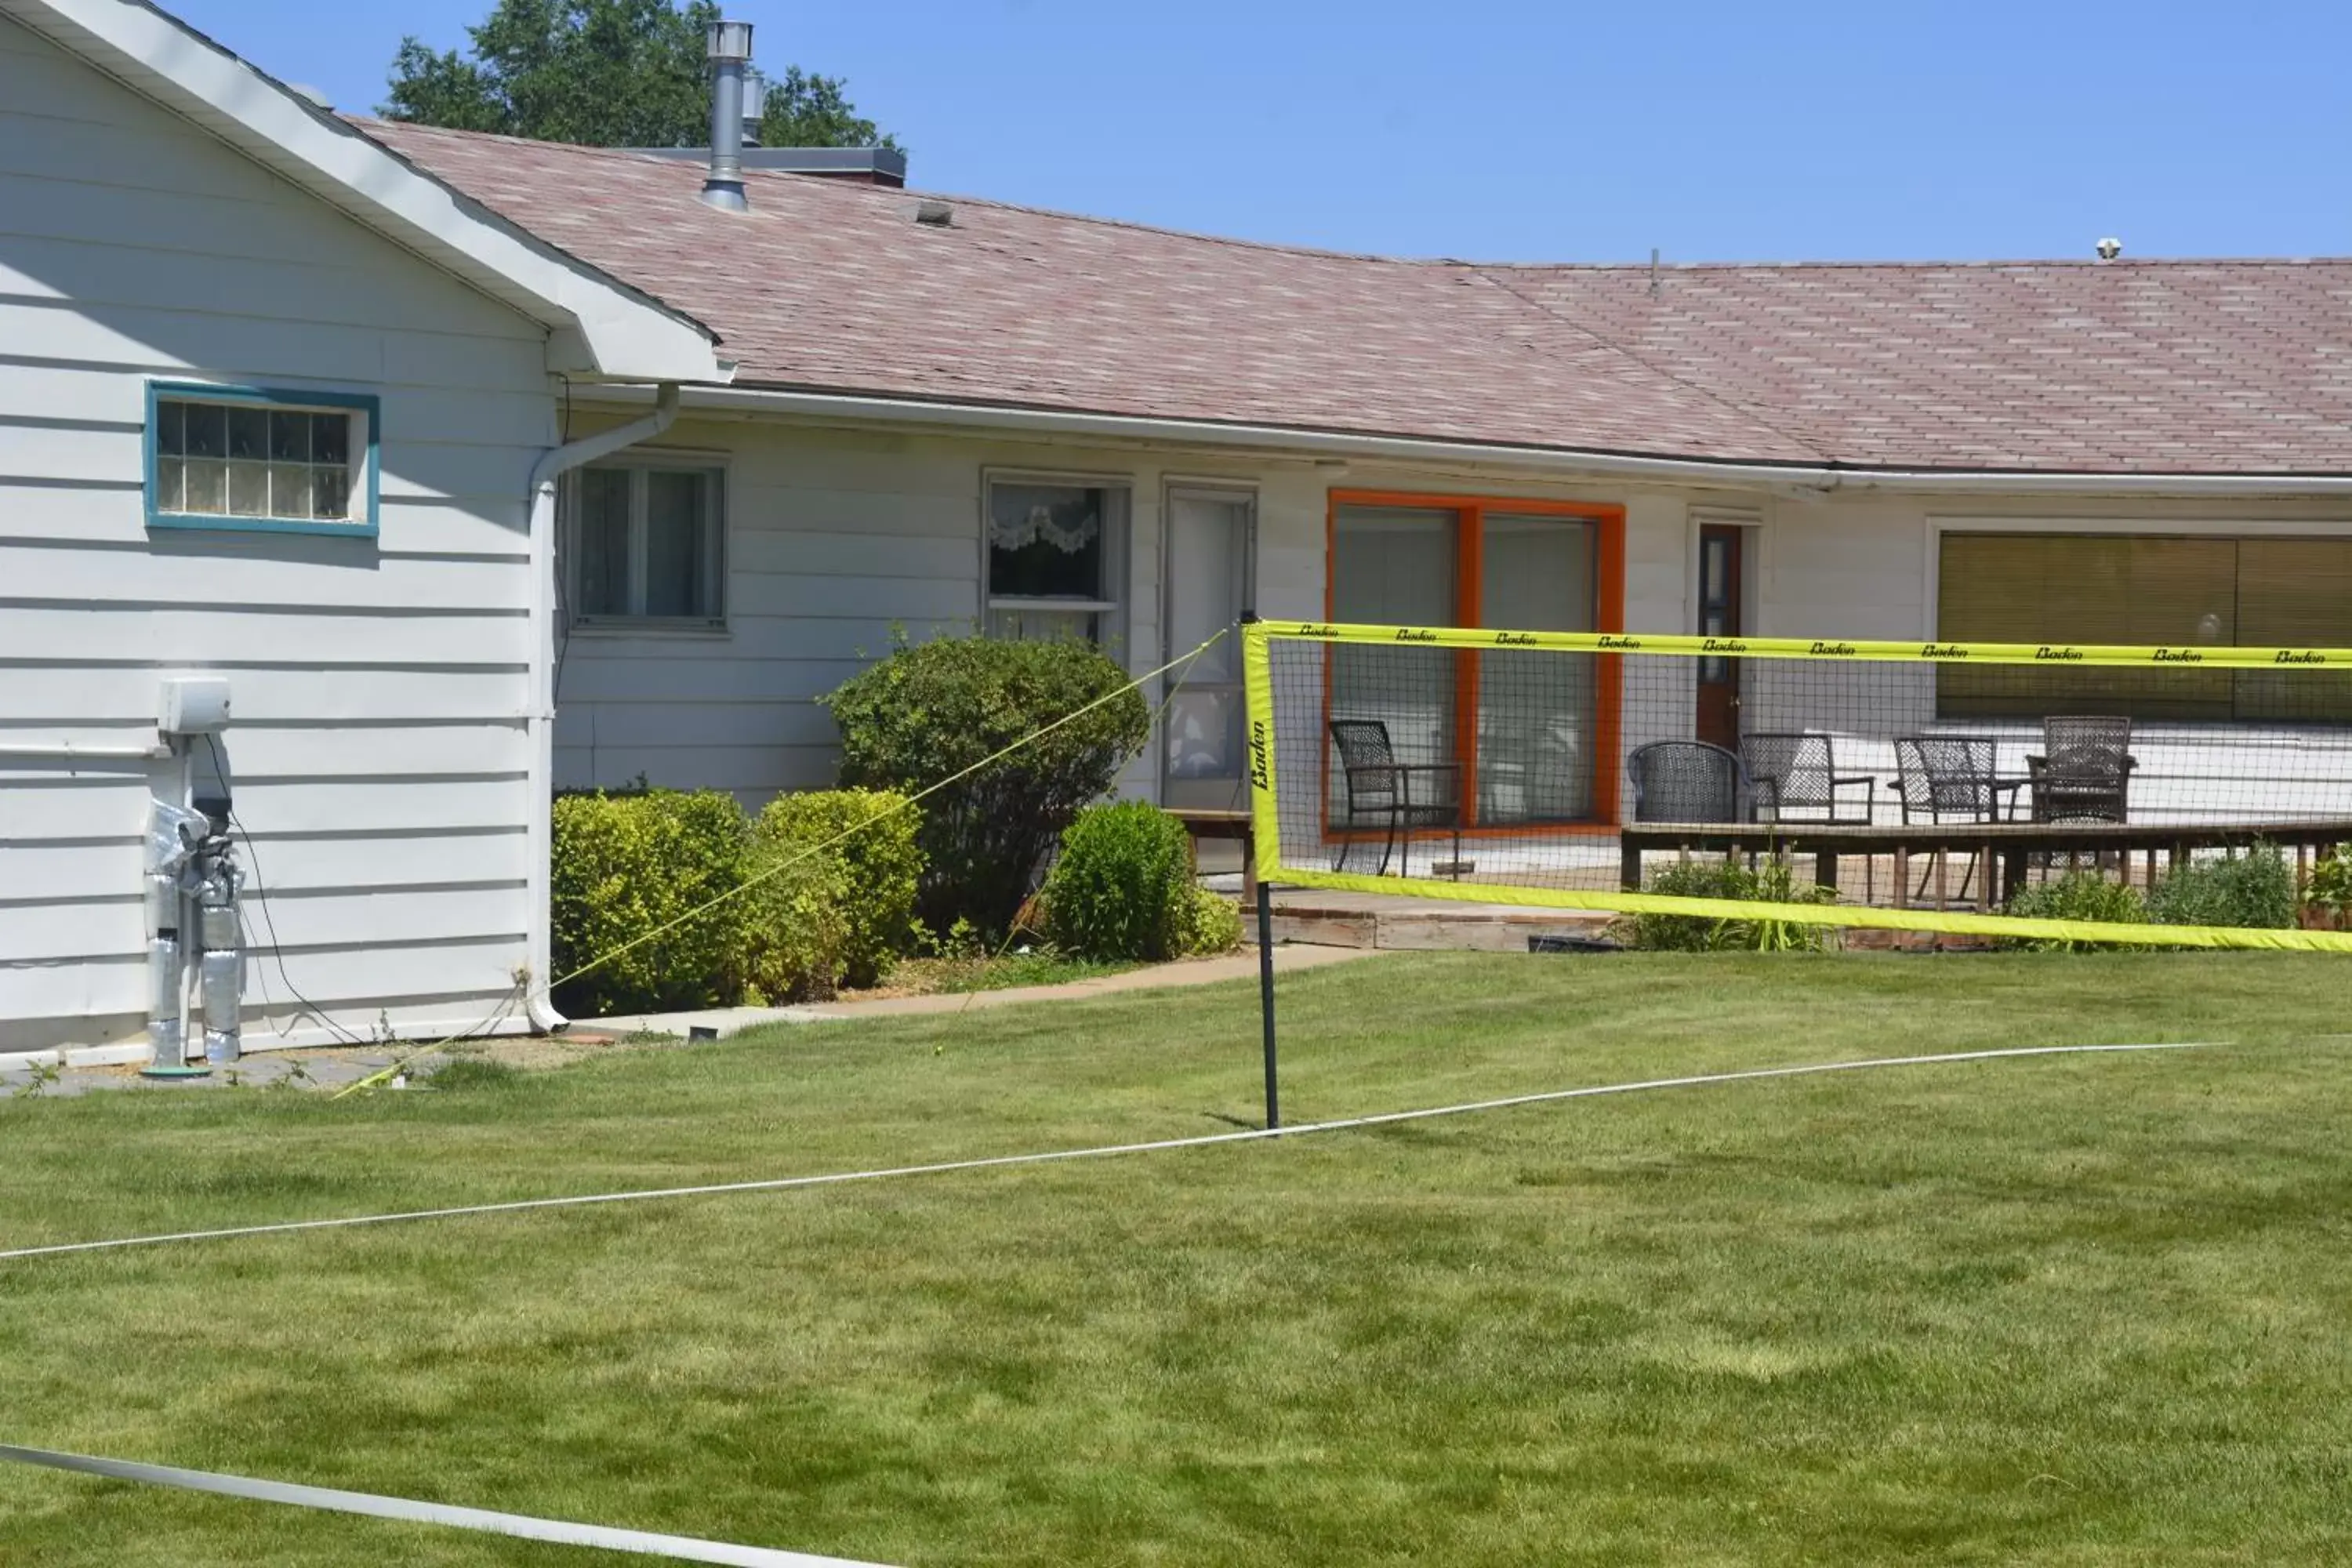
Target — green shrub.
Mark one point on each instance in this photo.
(1209, 923)
(929, 711)
(843, 914)
(1123, 886)
(627, 865)
(1774, 883)
(2331, 881)
(2077, 896)
(2255, 889)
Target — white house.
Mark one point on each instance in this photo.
(924, 413)
(272, 404)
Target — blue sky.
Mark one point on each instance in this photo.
(1515, 130)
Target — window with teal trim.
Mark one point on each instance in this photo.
(239, 459)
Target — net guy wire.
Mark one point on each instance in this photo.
(1185, 661)
(677, 1548)
(1207, 1140)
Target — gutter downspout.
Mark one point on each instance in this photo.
(553, 465)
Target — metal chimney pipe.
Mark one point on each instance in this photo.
(728, 50)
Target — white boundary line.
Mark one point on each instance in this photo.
(681, 1548)
(1297, 1130)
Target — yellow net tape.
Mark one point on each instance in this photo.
(1258, 686)
(1856, 652)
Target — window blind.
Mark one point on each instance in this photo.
(2142, 590)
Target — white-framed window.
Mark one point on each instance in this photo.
(229, 457)
(1056, 556)
(646, 541)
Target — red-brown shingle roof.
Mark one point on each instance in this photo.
(2147, 367)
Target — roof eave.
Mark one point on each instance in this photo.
(1797, 478)
(599, 327)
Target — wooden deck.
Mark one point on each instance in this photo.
(2010, 845)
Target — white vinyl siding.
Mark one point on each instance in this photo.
(380, 685)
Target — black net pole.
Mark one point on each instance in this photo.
(1265, 998)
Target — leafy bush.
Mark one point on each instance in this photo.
(1775, 883)
(1123, 886)
(842, 914)
(931, 710)
(626, 865)
(2331, 882)
(1209, 923)
(2255, 889)
(2077, 896)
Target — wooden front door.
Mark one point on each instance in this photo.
(1720, 565)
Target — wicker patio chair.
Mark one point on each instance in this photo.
(1380, 790)
(1796, 775)
(1951, 778)
(1690, 781)
(2085, 772)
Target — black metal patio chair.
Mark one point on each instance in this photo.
(2084, 773)
(1952, 778)
(1796, 775)
(1379, 789)
(1690, 781)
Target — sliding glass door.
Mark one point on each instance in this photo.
(1395, 566)
(1537, 715)
(1527, 730)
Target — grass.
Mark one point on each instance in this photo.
(2075, 1310)
(999, 972)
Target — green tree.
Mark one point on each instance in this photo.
(604, 73)
(807, 110)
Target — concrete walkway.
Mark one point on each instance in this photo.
(729, 1021)
(330, 1068)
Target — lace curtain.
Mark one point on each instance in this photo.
(1021, 516)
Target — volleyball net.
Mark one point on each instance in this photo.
(1972, 790)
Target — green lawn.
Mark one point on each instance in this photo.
(2074, 1310)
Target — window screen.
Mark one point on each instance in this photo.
(647, 543)
(1054, 554)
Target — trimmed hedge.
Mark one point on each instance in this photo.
(1123, 889)
(840, 915)
(931, 710)
(628, 864)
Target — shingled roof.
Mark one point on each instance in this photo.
(2120, 367)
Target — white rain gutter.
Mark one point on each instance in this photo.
(72, 753)
(1396, 448)
(551, 466)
